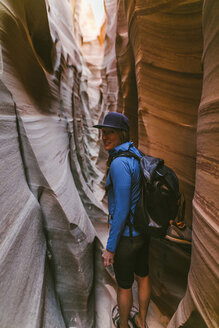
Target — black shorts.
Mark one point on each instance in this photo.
(131, 258)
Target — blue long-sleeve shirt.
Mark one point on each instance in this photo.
(123, 186)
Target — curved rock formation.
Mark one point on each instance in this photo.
(56, 82)
(169, 78)
(48, 200)
(202, 292)
(164, 40)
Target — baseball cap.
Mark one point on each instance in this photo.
(114, 120)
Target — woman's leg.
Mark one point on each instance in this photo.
(144, 292)
(124, 299)
(124, 272)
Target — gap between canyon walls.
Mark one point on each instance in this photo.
(63, 67)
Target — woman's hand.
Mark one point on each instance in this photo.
(108, 257)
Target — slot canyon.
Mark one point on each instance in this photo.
(63, 66)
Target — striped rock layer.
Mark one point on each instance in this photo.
(155, 61)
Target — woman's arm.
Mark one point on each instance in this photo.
(121, 179)
(108, 257)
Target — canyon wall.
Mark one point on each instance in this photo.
(176, 114)
(56, 80)
(51, 189)
(202, 291)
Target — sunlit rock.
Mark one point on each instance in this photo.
(202, 292)
(164, 39)
(27, 290)
(46, 181)
(62, 67)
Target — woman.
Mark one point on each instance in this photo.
(128, 254)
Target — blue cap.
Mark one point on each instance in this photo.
(114, 120)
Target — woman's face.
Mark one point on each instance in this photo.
(111, 138)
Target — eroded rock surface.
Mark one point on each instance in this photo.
(51, 188)
(202, 291)
(164, 43)
(57, 80)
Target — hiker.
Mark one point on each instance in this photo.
(126, 248)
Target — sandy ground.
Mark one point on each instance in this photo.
(154, 318)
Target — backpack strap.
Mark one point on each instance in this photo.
(121, 154)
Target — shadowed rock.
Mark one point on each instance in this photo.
(55, 85)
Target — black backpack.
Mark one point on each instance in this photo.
(160, 199)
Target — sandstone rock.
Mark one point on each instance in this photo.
(164, 38)
(202, 292)
(27, 287)
(50, 205)
(56, 82)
